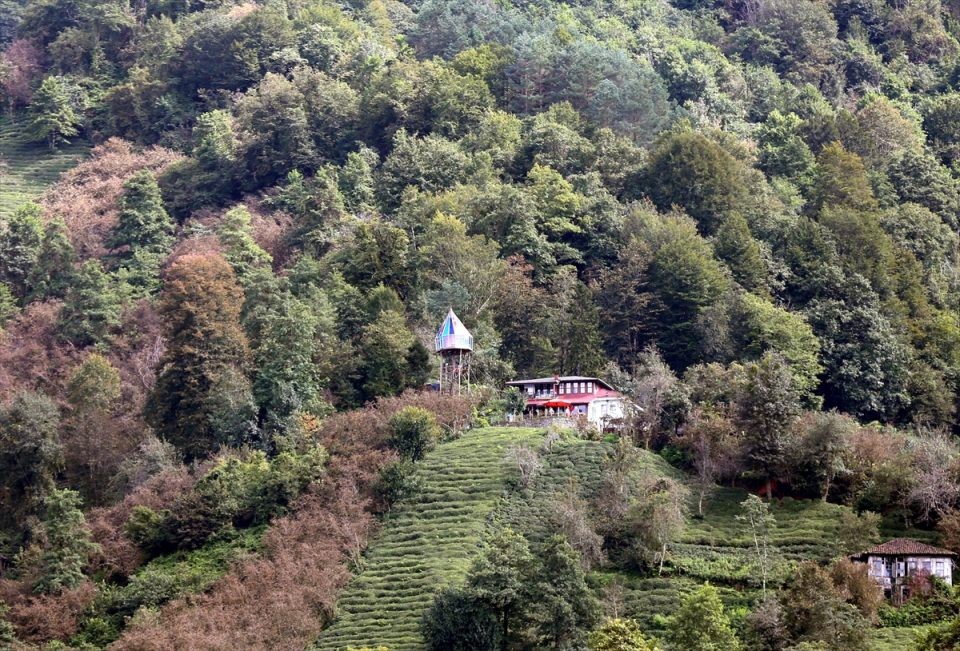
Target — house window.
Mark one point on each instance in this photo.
(589, 387)
(926, 566)
(940, 571)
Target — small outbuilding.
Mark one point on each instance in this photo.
(892, 564)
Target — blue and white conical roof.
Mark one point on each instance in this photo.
(453, 335)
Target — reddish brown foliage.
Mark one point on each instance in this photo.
(20, 64)
(280, 601)
(31, 356)
(41, 618)
(949, 528)
(268, 228)
(870, 449)
(284, 599)
(857, 587)
(199, 245)
(137, 352)
(86, 196)
(346, 432)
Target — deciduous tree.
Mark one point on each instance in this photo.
(202, 370)
(414, 432)
(30, 456)
(757, 516)
(701, 623)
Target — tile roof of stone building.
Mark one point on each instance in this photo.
(905, 547)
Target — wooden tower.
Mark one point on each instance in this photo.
(454, 344)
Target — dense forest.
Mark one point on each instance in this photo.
(216, 329)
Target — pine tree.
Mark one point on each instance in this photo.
(356, 180)
(68, 543)
(687, 280)
(418, 365)
(562, 604)
(91, 308)
(8, 634)
(54, 270)
(216, 145)
(143, 222)
(384, 346)
(290, 359)
(627, 305)
(20, 244)
(54, 118)
(242, 251)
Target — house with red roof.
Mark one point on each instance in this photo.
(893, 563)
(571, 396)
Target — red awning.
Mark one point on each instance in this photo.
(560, 404)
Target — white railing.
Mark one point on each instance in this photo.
(453, 342)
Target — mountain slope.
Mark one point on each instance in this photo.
(428, 542)
(28, 168)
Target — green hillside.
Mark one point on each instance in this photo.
(427, 542)
(28, 168)
(430, 541)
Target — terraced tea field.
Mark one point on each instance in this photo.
(431, 541)
(427, 542)
(573, 461)
(28, 168)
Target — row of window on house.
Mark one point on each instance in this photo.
(937, 567)
(565, 388)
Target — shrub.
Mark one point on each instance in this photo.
(397, 482)
(145, 528)
(620, 635)
(239, 491)
(414, 432)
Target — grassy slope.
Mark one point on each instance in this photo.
(464, 490)
(27, 168)
(427, 543)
